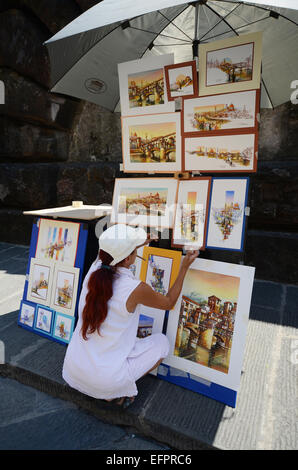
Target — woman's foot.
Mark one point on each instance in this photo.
(123, 401)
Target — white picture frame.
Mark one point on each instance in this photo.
(40, 281)
(226, 280)
(136, 75)
(147, 202)
(152, 143)
(65, 289)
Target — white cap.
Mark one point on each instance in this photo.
(120, 240)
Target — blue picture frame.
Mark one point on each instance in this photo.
(71, 323)
(32, 308)
(214, 247)
(41, 330)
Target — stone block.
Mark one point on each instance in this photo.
(27, 101)
(22, 142)
(15, 227)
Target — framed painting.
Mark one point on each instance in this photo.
(57, 241)
(40, 281)
(63, 327)
(191, 213)
(229, 65)
(152, 143)
(220, 114)
(226, 221)
(65, 287)
(207, 329)
(147, 202)
(142, 86)
(181, 80)
(231, 153)
(44, 319)
(26, 314)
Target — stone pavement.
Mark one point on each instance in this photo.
(163, 415)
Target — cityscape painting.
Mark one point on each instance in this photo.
(225, 153)
(181, 80)
(227, 213)
(148, 202)
(230, 65)
(220, 113)
(64, 292)
(142, 86)
(152, 143)
(40, 281)
(207, 329)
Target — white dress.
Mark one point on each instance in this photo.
(107, 365)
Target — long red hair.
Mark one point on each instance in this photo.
(100, 290)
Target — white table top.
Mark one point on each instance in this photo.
(84, 212)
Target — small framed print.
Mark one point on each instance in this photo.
(26, 315)
(152, 143)
(221, 114)
(44, 320)
(148, 202)
(65, 287)
(40, 281)
(229, 153)
(191, 213)
(181, 80)
(230, 65)
(226, 221)
(63, 327)
(142, 86)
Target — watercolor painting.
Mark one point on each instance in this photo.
(27, 312)
(40, 281)
(220, 112)
(44, 318)
(145, 326)
(229, 65)
(65, 287)
(152, 143)
(227, 213)
(58, 241)
(63, 327)
(142, 86)
(221, 153)
(181, 80)
(207, 329)
(143, 201)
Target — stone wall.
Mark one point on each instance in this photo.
(55, 149)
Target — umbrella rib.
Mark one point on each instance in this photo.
(230, 12)
(267, 93)
(222, 18)
(239, 27)
(159, 34)
(170, 21)
(266, 9)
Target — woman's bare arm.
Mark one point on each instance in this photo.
(145, 295)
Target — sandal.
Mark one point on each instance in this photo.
(123, 402)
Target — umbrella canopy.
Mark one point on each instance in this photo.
(85, 54)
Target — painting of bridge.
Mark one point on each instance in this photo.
(152, 142)
(146, 88)
(143, 201)
(230, 65)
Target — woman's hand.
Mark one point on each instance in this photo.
(189, 258)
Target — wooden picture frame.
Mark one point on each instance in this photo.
(152, 143)
(207, 329)
(192, 205)
(228, 153)
(142, 86)
(65, 289)
(148, 202)
(227, 213)
(185, 77)
(40, 281)
(221, 114)
(232, 64)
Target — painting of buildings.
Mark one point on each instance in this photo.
(230, 65)
(153, 142)
(143, 201)
(146, 88)
(228, 216)
(145, 326)
(206, 321)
